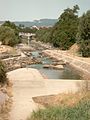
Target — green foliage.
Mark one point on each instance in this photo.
(64, 32)
(3, 78)
(27, 30)
(83, 35)
(7, 36)
(44, 35)
(10, 24)
(81, 111)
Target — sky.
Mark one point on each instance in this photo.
(28, 10)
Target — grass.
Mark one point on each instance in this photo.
(80, 111)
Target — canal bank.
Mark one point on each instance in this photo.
(79, 64)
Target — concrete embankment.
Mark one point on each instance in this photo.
(80, 65)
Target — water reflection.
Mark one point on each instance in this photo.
(66, 73)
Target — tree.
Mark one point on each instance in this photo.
(27, 30)
(14, 27)
(7, 36)
(83, 35)
(11, 25)
(64, 32)
(3, 78)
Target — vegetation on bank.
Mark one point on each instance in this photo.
(26, 29)
(68, 30)
(9, 34)
(78, 111)
(44, 34)
(83, 34)
(63, 34)
(3, 77)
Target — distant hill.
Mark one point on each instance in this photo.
(39, 23)
(1, 22)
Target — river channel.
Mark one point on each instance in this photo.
(66, 73)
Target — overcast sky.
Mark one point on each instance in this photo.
(28, 10)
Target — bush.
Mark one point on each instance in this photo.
(3, 78)
(7, 36)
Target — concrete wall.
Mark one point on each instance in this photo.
(81, 66)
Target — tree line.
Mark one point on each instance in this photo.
(68, 30)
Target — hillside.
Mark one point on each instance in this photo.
(39, 23)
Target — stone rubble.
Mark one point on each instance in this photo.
(19, 62)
